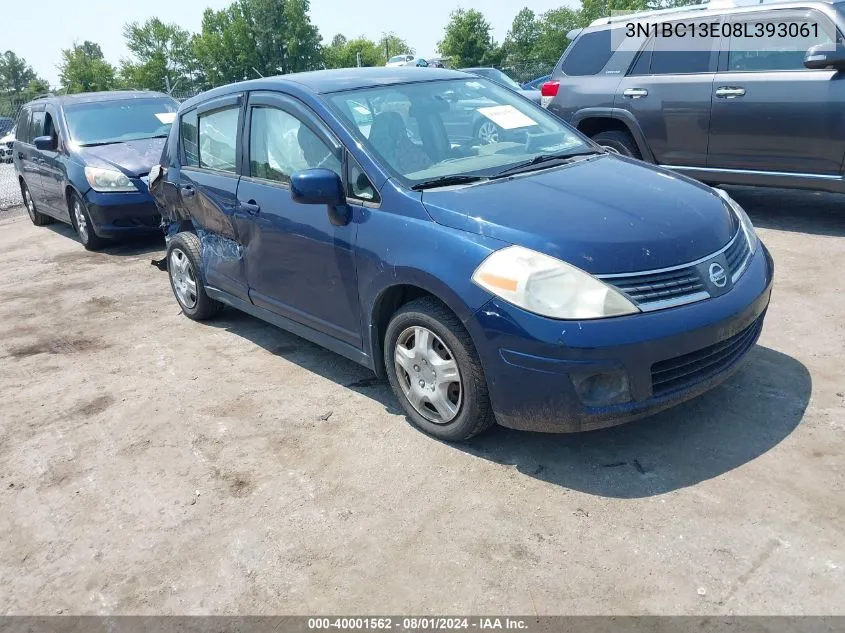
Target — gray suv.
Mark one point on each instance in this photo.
(738, 109)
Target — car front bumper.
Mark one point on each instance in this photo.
(120, 214)
(532, 363)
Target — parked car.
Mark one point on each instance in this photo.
(734, 110)
(536, 84)
(6, 147)
(545, 284)
(6, 124)
(84, 159)
(400, 60)
(494, 74)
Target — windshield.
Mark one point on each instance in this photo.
(463, 127)
(117, 121)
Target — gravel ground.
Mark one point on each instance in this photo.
(150, 464)
(10, 194)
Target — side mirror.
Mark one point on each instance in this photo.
(46, 143)
(317, 186)
(822, 56)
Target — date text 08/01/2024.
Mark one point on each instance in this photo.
(723, 29)
(412, 624)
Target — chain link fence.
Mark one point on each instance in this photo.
(10, 193)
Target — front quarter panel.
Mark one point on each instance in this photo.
(398, 244)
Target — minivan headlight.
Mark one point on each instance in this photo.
(548, 286)
(742, 216)
(104, 180)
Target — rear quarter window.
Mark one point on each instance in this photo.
(589, 54)
(189, 139)
(22, 130)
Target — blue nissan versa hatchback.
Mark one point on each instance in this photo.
(84, 159)
(537, 280)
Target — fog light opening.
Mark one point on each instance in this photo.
(597, 389)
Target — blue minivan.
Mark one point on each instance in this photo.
(84, 159)
(536, 281)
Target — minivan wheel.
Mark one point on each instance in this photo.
(435, 373)
(184, 257)
(38, 218)
(619, 142)
(81, 221)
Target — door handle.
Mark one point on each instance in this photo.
(187, 191)
(635, 93)
(730, 92)
(251, 207)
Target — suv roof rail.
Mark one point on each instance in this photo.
(713, 4)
(43, 96)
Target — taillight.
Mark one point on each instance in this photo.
(548, 91)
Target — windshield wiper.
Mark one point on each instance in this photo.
(100, 143)
(543, 158)
(123, 140)
(445, 181)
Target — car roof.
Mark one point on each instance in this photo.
(101, 97)
(336, 80)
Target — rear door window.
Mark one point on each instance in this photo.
(590, 53)
(190, 139)
(678, 55)
(218, 137)
(22, 127)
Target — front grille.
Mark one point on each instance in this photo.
(682, 284)
(651, 287)
(683, 371)
(738, 254)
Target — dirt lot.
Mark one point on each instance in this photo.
(149, 464)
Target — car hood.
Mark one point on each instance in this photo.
(603, 214)
(133, 158)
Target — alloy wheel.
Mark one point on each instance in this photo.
(80, 221)
(488, 132)
(428, 374)
(184, 279)
(30, 205)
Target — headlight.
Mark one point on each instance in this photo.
(742, 216)
(547, 286)
(108, 180)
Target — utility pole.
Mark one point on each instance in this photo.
(358, 59)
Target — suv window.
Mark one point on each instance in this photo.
(36, 125)
(280, 144)
(589, 54)
(759, 54)
(218, 137)
(676, 56)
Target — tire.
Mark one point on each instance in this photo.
(618, 141)
(487, 132)
(468, 394)
(184, 257)
(38, 218)
(81, 222)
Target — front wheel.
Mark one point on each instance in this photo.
(435, 373)
(82, 223)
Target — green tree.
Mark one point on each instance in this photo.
(162, 55)
(391, 44)
(521, 41)
(343, 53)
(257, 36)
(552, 28)
(36, 87)
(15, 73)
(467, 40)
(84, 69)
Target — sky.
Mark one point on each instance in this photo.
(40, 41)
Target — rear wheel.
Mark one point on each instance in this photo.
(81, 221)
(38, 218)
(184, 258)
(618, 141)
(435, 373)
